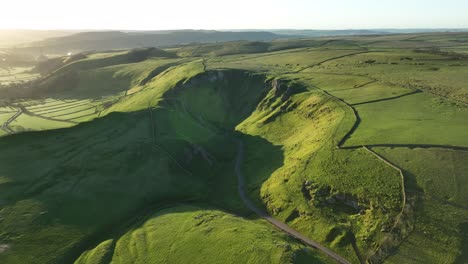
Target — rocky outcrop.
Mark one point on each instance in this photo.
(320, 195)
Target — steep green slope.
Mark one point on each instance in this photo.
(336, 196)
(64, 187)
(182, 233)
(101, 176)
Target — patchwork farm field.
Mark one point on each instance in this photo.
(323, 150)
(37, 115)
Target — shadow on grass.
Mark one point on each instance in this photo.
(78, 186)
(260, 161)
(69, 186)
(464, 242)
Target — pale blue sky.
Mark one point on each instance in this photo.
(238, 14)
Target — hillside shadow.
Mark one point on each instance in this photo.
(98, 176)
(260, 160)
(86, 181)
(464, 243)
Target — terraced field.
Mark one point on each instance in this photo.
(67, 111)
(49, 114)
(237, 152)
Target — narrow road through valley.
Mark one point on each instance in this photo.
(282, 226)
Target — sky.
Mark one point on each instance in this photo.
(237, 14)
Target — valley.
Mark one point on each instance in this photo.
(347, 149)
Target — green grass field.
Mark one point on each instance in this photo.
(130, 156)
(16, 75)
(26, 122)
(237, 240)
(436, 179)
(5, 117)
(414, 119)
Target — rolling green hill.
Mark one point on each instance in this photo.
(357, 143)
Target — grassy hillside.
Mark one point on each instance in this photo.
(129, 156)
(331, 195)
(238, 240)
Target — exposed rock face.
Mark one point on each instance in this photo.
(349, 200)
(282, 89)
(278, 99)
(323, 195)
(4, 247)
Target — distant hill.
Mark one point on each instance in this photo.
(357, 32)
(328, 33)
(9, 38)
(63, 42)
(99, 41)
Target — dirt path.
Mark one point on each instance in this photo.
(282, 226)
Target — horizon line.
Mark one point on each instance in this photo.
(235, 29)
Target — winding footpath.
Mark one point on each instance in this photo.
(280, 225)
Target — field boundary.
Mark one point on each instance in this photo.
(366, 148)
(356, 116)
(44, 105)
(410, 146)
(388, 98)
(402, 178)
(356, 86)
(331, 59)
(60, 109)
(71, 113)
(5, 126)
(45, 117)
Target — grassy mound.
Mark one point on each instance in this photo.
(178, 234)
